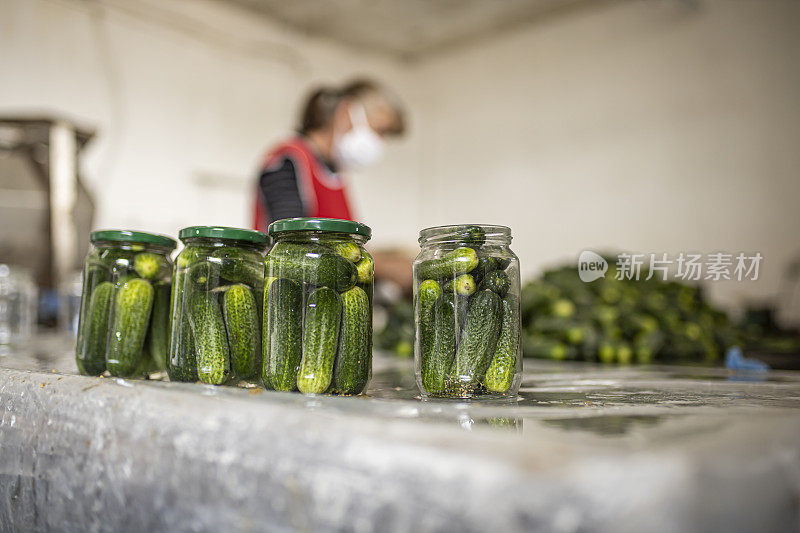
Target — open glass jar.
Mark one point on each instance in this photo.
(466, 313)
(123, 323)
(217, 305)
(318, 296)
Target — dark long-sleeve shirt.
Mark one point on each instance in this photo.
(280, 192)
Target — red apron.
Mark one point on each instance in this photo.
(321, 191)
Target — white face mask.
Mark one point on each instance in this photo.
(361, 146)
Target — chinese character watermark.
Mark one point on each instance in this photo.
(715, 266)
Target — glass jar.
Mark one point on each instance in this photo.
(318, 323)
(124, 310)
(466, 313)
(217, 306)
(69, 303)
(18, 303)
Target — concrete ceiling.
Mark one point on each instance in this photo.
(406, 28)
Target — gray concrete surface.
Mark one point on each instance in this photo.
(586, 448)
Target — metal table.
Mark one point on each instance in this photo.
(585, 448)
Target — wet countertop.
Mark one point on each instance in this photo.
(583, 448)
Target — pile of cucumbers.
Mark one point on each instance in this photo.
(318, 317)
(467, 319)
(216, 314)
(623, 321)
(125, 312)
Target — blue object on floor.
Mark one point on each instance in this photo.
(735, 360)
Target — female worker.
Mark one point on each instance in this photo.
(340, 129)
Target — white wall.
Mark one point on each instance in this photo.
(644, 126)
(186, 95)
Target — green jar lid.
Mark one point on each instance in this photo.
(333, 225)
(222, 232)
(122, 235)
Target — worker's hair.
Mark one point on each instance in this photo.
(321, 104)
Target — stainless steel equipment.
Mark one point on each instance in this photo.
(45, 207)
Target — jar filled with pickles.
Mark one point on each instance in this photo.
(466, 309)
(217, 306)
(124, 313)
(318, 307)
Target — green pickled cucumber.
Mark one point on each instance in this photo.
(192, 254)
(353, 358)
(462, 306)
(478, 341)
(182, 364)
(463, 285)
(240, 266)
(496, 281)
(320, 340)
(204, 274)
(265, 381)
(267, 282)
(435, 367)
(92, 344)
(147, 364)
(183, 361)
(150, 266)
(133, 303)
(428, 293)
(96, 273)
(243, 272)
(485, 265)
(313, 264)
(349, 250)
(115, 258)
(283, 334)
(503, 366)
(158, 336)
(211, 340)
(244, 331)
(365, 267)
(265, 333)
(368, 290)
(459, 261)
